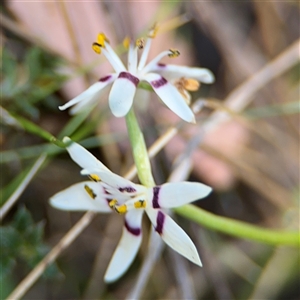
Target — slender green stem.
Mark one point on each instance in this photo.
(238, 228)
(139, 150)
(33, 128)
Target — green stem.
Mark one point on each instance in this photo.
(238, 228)
(139, 150)
(34, 129)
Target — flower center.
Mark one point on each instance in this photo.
(128, 205)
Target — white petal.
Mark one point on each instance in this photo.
(132, 59)
(122, 93)
(83, 157)
(79, 107)
(91, 93)
(115, 181)
(145, 53)
(76, 198)
(113, 58)
(173, 235)
(174, 71)
(176, 194)
(151, 65)
(170, 96)
(127, 248)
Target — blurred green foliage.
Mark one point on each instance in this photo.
(29, 80)
(22, 243)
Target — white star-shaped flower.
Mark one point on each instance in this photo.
(109, 192)
(170, 82)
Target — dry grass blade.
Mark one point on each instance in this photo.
(241, 96)
(65, 242)
(17, 193)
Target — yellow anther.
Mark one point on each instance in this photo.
(126, 42)
(122, 209)
(187, 84)
(140, 204)
(112, 203)
(173, 53)
(140, 43)
(101, 39)
(191, 84)
(90, 191)
(153, 31)
(95, 177)
(97, 48)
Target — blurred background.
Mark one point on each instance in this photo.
(251, 161)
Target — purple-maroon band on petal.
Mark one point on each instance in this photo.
(155, 203)
(161, 65)
(103, 79)
(159, 82)
(107, 193)
(135, 231)
(160, 219)
(130, 77)
(127, 189)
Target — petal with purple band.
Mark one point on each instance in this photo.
(175, 194)
(173, 235)
(170, 96)
(76, 198)
(155, 197)
(122, 94)
(117, 182)
(127, 248)
(91, 94)
(175, 72)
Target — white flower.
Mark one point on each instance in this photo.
(110, 192)
(125, 81)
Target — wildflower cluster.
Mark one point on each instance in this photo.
(107, 192)
(170, 82)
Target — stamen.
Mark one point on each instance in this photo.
(122, 209)
(191, 84)
(140, 204)
(90, 191)
(97, 48)
(94, 177)
(126, 42)
(140, 43)
(112, 203)
(153, 31)
(173, 53)
(183, 85)
(101, 39)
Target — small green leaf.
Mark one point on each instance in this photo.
(22, 220)
(7, 264)
(10, 239)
